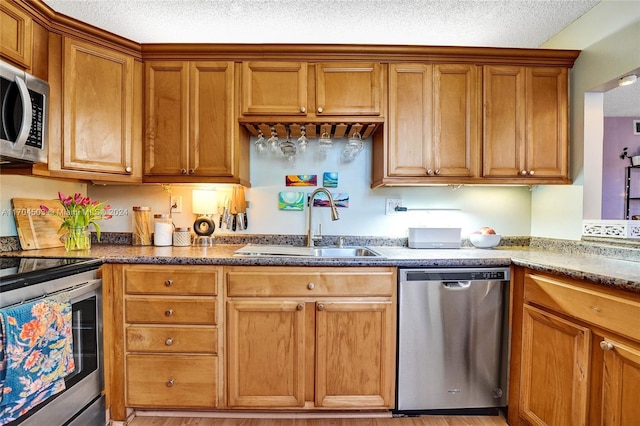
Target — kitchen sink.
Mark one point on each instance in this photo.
(286, 250)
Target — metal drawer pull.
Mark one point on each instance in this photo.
(311, 286)
(606, 346)
(321, 306)
(300, 306)
(169, 341)
(168, 283)
(170, 383)
(168, 312)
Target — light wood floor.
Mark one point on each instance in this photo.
(397, 421)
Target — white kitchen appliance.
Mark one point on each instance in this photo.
(434, 238)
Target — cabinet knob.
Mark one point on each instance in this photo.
(429, 172)
(170, 383)
(321, 306)
(303, 109)
(183, 171)
(192, 171)
(168, 312)
(300, 306)
(606, 346)
(128, 169)
(532, 172)
(168, 283)
(437, 171)
(311, 286)
(523, 172)
(169, 341)
(320, 110)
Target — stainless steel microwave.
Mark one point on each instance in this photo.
(24, 102)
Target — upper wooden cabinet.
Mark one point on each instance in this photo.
(191, 132)
(433, 124)
(95, 111)
(15, 35)
(271, 88)
(525, 124)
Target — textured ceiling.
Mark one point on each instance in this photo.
(495, 23)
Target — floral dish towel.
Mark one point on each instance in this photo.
(36, 353)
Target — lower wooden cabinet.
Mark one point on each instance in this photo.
(579, 362)
(310, 338)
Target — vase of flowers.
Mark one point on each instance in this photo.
(77, 215)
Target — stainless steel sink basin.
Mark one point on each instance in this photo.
(286, 250)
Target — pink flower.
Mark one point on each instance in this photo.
(44, 208)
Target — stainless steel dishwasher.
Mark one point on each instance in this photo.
(452, 339)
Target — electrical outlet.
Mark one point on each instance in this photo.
(391, 205)
(176, 204)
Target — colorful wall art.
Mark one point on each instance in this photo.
(341, 199)
(301, 180)
(330, 179)
(291, 200)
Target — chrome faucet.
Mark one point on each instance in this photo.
(334, 215)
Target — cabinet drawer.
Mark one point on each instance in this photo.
(590, 305)
(172, 339)
(302, 282)
(164, 310)
(172, 381)
(147, 279)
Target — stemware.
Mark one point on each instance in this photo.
(353, 147)
(303, 142)
(325, 143)
(273, 142)
(260, 144)
(288, 148)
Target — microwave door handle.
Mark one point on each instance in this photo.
(27, 115)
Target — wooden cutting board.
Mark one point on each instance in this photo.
(37, 230)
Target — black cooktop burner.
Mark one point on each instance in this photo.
(18, 272)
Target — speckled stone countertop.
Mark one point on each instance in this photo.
(595, 268)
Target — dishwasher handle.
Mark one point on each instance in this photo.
(456, 285)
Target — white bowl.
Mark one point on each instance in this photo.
(484, 240)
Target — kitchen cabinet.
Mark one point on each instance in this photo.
(191, 134)
(580, 353)
(525, 114)
(94, 113)
(433, 124)
(15, 35)
(310, 338)
(167, 325)
(301, 89)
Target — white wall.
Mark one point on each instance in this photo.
(608, 36)
(507, 209)
(29, 187)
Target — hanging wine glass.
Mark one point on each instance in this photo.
(353, 147)
(303, 142)
(273, 142)
(325, 143)
(288, 148)
(261, 144)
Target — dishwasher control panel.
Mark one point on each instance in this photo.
(500, 274)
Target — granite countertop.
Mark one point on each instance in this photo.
(609, 272)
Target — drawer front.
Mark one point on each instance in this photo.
(157, 310)
(172, 339)
(599, 308)
(186, 280)
(172, 381)
(300, 282)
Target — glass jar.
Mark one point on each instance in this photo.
(141, 235)
(182, 237)
(163, 230)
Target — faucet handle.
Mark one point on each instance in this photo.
(340, 242)
(318, 236)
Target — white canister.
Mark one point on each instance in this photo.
(163, 230)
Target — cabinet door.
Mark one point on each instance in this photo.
(166, 118)
(455, 120)
(211, 135)
(274, 88)
(555, 369)
(504, 121)
(410, 109)
(348, 88)
(355, 354)
(265, 354)
(546, 134)
(621, 384)
(98, 105)
(15, 34)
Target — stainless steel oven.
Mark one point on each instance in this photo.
(27, 279)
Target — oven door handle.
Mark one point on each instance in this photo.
(79, 292)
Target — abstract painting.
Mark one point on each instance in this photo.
(301, 180)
